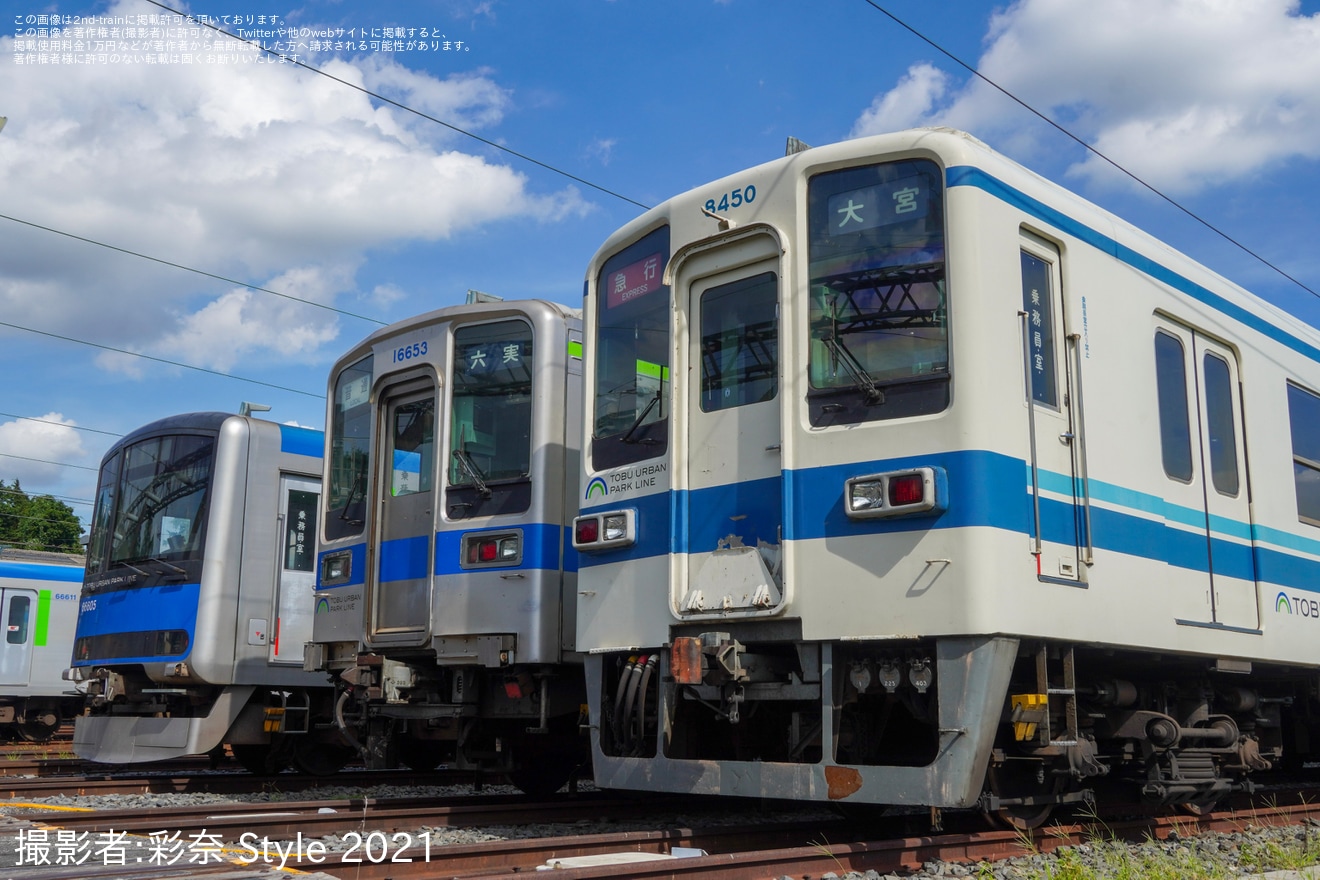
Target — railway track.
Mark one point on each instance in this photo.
(217, 782)
(797, 849)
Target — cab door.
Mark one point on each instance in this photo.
(401, 594)
(18, 611)
(734, 464)
(1057, 514)
(295, 580)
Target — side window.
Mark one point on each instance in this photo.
(739, 343)
(16, 626)
(1171, 386)
(1304, 418)
(300, 531)
(1219, 424)
(1037, 302)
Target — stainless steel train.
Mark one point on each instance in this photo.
(446, 590)
(911, 477)
(198, 598)
(39, 608)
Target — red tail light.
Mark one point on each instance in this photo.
(906, 489)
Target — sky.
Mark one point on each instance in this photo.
(155, 174)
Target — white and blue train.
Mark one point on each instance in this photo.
(447, 579)
(913, 478)
(39, 609)
(198, 598)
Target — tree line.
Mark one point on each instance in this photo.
(37, 522)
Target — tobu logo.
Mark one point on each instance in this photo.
(597, 487)
(1302, 606)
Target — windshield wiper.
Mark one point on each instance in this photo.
(628, 437)
(171, 566)
(854, 368)
(474, 473)
(358, 483)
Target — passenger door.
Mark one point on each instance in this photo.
(405, 537)
(734, 517)
(1207, 510)
(1057, 511)
(18, 610)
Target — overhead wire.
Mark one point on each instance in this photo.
(527, 158)
(195, 271)
(404, 107)
(161, 360)
(1095, 152)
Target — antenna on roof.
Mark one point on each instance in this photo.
(247, 409)
(476, 296)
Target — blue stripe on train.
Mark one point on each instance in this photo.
(169, 607)
(985, 490)
(40, 571)
(302, 441)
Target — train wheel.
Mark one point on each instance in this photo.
(1023, 779)
(37, 731)
(261, 760)
(419, 754)
(544, 779)
(321, 758)
(543, 764)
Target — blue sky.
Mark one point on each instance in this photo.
(277, 177)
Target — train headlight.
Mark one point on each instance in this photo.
(605, 531)
(896, 493)
(491, 549)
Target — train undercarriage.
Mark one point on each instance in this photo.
(1018, 729)
(519, 721)
(132, 719)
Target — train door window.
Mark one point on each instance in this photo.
(1171, 388)
(412, 447)
(300, 531)
(1304, 419)
(17, 621)
(739, 343)
(350, 451)
(1220, 428)
(490, 438)
(1038, 303)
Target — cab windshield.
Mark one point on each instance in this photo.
(350, 451)
(152, 503)
(490, 438)
(879, 338)
(631, 421)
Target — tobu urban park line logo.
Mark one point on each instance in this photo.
(1303, 606)
(597, 487)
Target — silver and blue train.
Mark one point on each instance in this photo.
(39, 609)
(446, 589)
(910, 477)
(197, 598)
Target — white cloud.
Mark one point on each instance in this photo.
(601, 149)
(53, 439)
(247, 171)
(907, 105)
(1184, 93)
